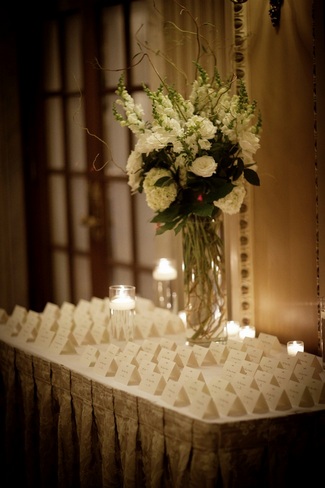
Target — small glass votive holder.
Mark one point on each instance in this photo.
(122, 311)
(295, 346)
(247, 331)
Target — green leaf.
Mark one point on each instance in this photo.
(251, 176)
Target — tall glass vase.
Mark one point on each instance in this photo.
(204, 280)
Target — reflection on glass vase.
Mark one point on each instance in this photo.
(204, 280)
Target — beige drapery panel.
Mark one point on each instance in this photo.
(62, 429)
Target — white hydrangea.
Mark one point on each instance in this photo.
(232, 202)
(159, 198)
(203, 166)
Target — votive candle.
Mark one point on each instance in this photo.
(295, 346)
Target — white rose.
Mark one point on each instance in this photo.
(204, 166)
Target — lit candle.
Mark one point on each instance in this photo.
(232, 328)
(122, 303)
(164, 271)
(246, 331)
(295, 346)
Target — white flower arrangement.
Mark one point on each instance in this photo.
(194, 156)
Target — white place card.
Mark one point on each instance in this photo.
(284, 375)
(82, 308)
(175, 325)
(3, 316)
(253, 342)
(19, 313)
(153, 383)
(303, 372)
(317, 390)
(276, 397)
(250, 367)
(145, 356)
(113, 349)
(96, 305)
(51, 310)
(89, 356)
(49, 322)
(82, 334)
(143, 305)
(13, 327)
(125, 357)
(299, 395)
(100, 333)
(128, 374)
(243, 381)
(194, 387)
(170, 355)
(168, 344)
(217, 385)
(204, 356)
(229, 404)
(232, 344)
(288, 362)
(253, 400)
(188, 373)
(61, 344)
(175, 394)
(106, 364)
(203, 407)
(254, 354)
(269, 341)
(131, 348)
(169, 369)
(219, 351)
(230, 369)
(67, 309)
(65, 322)
(236, 355)
(263, 378)
(152, 347)
(142, 326)
(187, 356)
(27, 333)
(269, 364)
(145, 367)
(44, 338)
(310, 360)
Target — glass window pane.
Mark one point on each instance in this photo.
(73, 54)
(120, 222)
(116, 138)
(76, 134)
(80, 210)
(82, 278)
(139, 34)
(60, 278)
(58, 210)
(52, 73)
(113, 45)
(54, 133)
(145, 231)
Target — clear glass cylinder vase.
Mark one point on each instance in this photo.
(204, 280)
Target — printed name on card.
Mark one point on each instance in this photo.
(250, 367)
(269, 364)
(168, 344)
(170, 355)
(128, 374)
(230, 369)
(303, 372)
(145, 367)
(152, 347)
(236, 356)
(283, 376)
(100, 333)
(89, 356)
(175, 394)
(131, 348)
(255, 354)
(203, 406)
(242, 381)
(310, 360)
(153, 383)
(269, 341)
(145, 356)
(218, 385)
(236, 345)
(194, 387)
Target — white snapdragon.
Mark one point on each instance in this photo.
(204, 166)
(133, 169)
(159, 198)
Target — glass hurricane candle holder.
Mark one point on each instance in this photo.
(164, 275)
(122, 311)
(295, 346)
